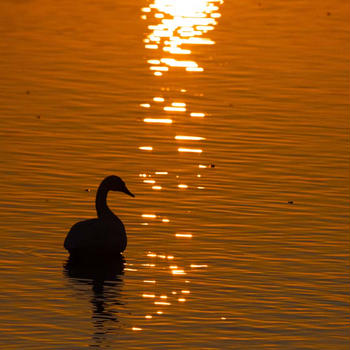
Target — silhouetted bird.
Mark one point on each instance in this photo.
(104, 236)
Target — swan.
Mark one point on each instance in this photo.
(104, 235)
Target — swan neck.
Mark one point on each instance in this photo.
(101, 202)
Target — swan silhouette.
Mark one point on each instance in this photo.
(103, 236)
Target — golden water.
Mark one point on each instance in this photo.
(216, 114)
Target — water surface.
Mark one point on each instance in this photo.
(230, 123)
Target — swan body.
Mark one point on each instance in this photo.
(104, 235)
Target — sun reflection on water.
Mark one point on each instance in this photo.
(160, 297)
(175, 32)
(175, 26)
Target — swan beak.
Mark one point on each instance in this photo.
(128, 192)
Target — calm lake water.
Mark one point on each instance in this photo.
(228, 120)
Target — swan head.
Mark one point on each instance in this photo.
(115, 183)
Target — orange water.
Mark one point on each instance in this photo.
(217, 257)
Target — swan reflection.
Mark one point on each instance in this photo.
(101, 282)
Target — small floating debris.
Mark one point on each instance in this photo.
(202, 166)
(290, 202)
(87, 189)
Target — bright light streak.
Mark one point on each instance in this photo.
(174, 109)
(151, 46)
(187, 235)
(154, 120)
(190, 138)
(190, 150)
(182, 186)
(194, 69)
(148, 295)
(193, 266)
(149, 181)
(161, 303)
(197, 115)
(153, 61)
(158, 99)
(159, 68)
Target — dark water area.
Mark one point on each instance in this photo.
(230, 123)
